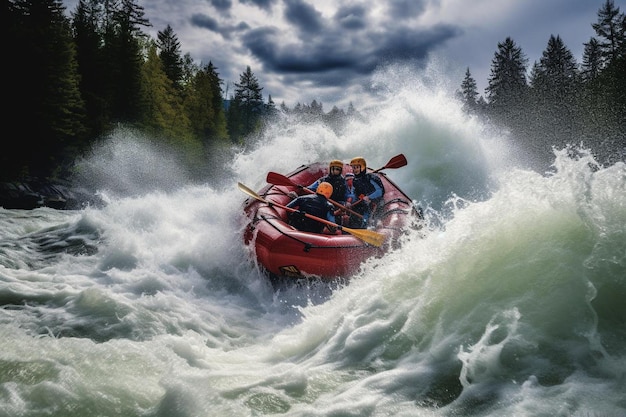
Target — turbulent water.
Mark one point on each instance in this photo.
(510, 303)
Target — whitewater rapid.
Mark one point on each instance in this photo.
(510, 302)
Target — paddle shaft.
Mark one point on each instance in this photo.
(336, 204)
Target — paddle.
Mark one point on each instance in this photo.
(279, 179)
(397, 161)
(368, 236)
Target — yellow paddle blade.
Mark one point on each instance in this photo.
(250, 192)
(368, 236)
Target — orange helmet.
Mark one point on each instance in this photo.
(335, 163)
(359, 161)
(325, 189)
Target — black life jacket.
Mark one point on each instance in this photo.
(363, 186)
(339, 187)
(314, 204)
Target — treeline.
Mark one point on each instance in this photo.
(72, 80)
(560, 102)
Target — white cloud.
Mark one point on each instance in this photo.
(328, 50)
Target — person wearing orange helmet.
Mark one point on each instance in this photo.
(314, 204)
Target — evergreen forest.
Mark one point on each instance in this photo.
(557, 100)
(74, 79)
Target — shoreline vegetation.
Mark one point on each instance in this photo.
(79, 78)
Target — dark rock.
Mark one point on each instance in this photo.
(31, 194)
(18, 195)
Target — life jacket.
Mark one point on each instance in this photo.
(363, 186)
(339, 187)
(314, 204)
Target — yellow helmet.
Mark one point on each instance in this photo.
(335, 163)
(359, 161)
(325, 189)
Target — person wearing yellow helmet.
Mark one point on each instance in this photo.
(314, 204)
(368, 188)
(334, 178)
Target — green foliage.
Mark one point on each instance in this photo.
(90, 59)
(203, 104)
(123, 60)
(80, 78)
(44, 87)
(162, 104)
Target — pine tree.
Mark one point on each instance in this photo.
(555, 84)
(507, 82)
(556, 76)
(246, 109)
(610, 28)
(469, 92)
(270, 107)
(123, 58)
(189, 69)
(219, 117)
(170, 54)
(43, 84)
(204, 105)
(507, 93)
(606, 94)
(86, 21)
(163, 114)
(592, 61)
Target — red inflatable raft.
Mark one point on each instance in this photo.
(285, 252)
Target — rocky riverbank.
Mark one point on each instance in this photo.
(31, 194)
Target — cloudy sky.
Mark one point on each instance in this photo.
(329, 50)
